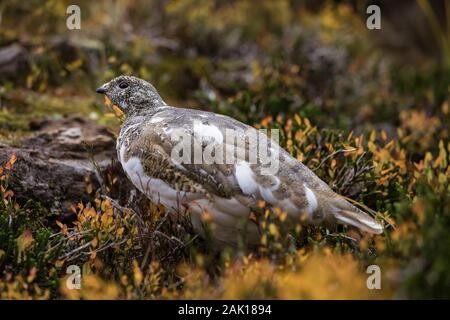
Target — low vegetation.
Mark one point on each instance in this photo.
(374, 127)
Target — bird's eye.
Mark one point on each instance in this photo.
(123, 85)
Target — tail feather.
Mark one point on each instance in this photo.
(336, 209)
(346, 213)
(360, 220)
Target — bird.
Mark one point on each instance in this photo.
(153, 149)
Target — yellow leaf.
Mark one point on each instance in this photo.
(445, 108)
(333, 163)
(137, 274)
(307, 122)
(32, 275)
(120, 231)
(9, 165)
(13, 159)
(8, 194)
(76, 64)
(273, 230)
(29, 81)
(90, 212)
(261, 204)
(383, 135)
(24, 242)
(94, 242)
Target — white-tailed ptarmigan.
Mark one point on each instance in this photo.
(159, 146)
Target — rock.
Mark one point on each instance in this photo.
(56, 165)
(13, 62)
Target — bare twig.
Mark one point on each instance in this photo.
(367, 209)
(96, 167)
(84, 246)
(337, 235)
(171, 238)
(332, 155)
(109, 245)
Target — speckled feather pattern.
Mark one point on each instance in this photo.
(227, 192)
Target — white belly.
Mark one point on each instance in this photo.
(228, 216)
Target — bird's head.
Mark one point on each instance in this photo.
(131, 94)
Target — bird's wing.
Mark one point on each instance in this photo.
(287, 184)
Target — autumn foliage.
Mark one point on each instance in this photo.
(373, 126)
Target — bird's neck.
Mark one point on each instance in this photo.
(141, 113)
(145, 108)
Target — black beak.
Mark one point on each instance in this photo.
(101, 90)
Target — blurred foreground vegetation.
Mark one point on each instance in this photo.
(370, 120)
